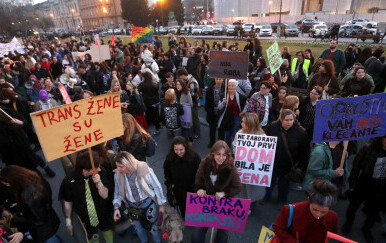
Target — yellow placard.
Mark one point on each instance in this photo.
(73, 127)
(266, 235)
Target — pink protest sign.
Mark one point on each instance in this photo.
(65, 95)
(254, 158)
(226, 213)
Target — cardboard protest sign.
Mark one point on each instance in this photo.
(274, 57)
(254, 158)
(350, 118)
(228, 64)
(73, 127)
(226, 213)
(100, 52)
(266, 235)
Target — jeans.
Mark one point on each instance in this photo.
(283, 188)
(53, 239)
(174, 132)
(142, 233)
(230, 134)
(198, 235)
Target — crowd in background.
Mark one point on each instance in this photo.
(163, 87)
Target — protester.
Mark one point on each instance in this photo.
(351, 75)
(180, 168)
(277, 103)
(336, 56)
(307, 110)
(44, 102)
(357, 85)
(261, 103)
(184, 98)
(326, 79)
(258, 73)
(171, 112)
(292, 147)
(138, 190)
(33, 211)
(216, 176)
(311, 219)
(85, 193)
(212, 100)
(308, 55)
(136, 106)
(367, 184)
(229, 108)
(300, 69)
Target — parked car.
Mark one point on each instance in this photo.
(291, 30)
(207, 30)
(265, 30)
(275, 25)
(231, 30)
(173, 29)
(184, 30)
(197, 30)
(219, 29)
(353, 30)
(318, 30)
(363, 22)
(162, 30)
(248, 27)
(239, 22)
(308, 24)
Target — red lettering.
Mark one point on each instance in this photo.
(255, 179)
(68, 111)
(87, 138)
(99, 105)
(116, 101)
(51, 117)
(77, 127)
(107, 101)
(246, 177)
(67, 143)
(41, 118)
(77, 111)
(77, 142)
(98, 135)
(91, 102)
(61, 116)
(326, 135)
(88, 125)
(339, 134)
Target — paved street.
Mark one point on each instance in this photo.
(261, 215)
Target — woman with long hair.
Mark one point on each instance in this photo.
(137, 187)
(216, 176)
(180, 168)
(307, 110)
(149, 90)
(358, 85)
(136, 105)
(34, 212)
(308, 55)
(229, 109)
(249, 125)
(325, 78)
(257, 74)
(134, 137)
(124, 98)
(277, 103)
(291, 102)
(311, 219)
(184, 98)
(366, 53)
(261, 102)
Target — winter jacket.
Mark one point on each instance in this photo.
(320, 166)
(228, 179)
(338, 58)
(241, 102)
(332, 84)
(192, 65)
(354, 87)
(258, 103)
(308, 232)
(298, 144)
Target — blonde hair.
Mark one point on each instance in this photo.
(131, 126)
(126, 159)
(170, 96)
(290, 101)
(113, 82)
(252, 122)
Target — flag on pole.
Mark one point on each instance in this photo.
(112, 40)
(141, 35)
(96, 39)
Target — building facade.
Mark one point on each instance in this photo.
(65, 14)
(101, 13)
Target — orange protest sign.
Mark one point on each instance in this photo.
(76, 126)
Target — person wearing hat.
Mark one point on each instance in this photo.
(44, 102)
(148, 62)
(230, 108)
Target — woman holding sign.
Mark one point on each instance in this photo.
(230, 108)
(310, 219)
(217, 175)
(249, 125)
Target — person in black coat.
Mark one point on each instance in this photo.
(194, 61)
(180, 168)
(298, 145)
(212, 98)
(34, 212)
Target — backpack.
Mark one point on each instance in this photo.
(151, 146)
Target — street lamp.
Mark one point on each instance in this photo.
(162, 15)
(73, 20)
(51, 15)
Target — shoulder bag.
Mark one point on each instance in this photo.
(295, 174)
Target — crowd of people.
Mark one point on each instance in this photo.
(163, 87)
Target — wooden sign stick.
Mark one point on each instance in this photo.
(92, 164)
(279, 74)
(211, 235)
(226, 88)
(345, 144)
